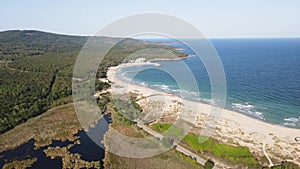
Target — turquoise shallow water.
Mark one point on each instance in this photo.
(262, 77)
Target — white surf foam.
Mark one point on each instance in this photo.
(247, 109)
(292, 121)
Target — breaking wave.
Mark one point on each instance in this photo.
(292, 121)
(247, 109)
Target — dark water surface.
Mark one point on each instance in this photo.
(88, 149)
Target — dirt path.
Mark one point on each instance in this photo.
(13, 69)
(265, 153)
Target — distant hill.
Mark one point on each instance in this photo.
(33, 36)
(17, 43)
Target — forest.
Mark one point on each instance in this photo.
(36, 70)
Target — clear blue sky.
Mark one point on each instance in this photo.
(214, 18)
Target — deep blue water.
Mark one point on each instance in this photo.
(262, 77)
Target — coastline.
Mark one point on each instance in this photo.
(170, 59)
(234, 128)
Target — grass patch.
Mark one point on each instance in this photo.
(238, 155)
(167, 129)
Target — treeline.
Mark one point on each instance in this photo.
(126, 49)
(18, 44)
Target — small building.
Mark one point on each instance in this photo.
(297, 139)
(140, 60)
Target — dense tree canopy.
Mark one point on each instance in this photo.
(36, 70)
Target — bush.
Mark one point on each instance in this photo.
(209, 164)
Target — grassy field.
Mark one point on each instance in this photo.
(239, 155)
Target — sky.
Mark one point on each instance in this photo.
(214, 18)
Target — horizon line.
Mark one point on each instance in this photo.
(208, 37)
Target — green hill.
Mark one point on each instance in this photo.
(36, 70)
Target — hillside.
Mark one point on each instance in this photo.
(36, 70)
(35, 73)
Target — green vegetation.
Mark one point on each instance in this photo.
(168, 129)
(239, 155)
(123, 125)
(286, 165)
(99, 86)
(209, 164)
(103, 100)
(35, 73)
(36, 70)
(126, 105)
(19, 44)
(130, 49)
(58, 123)
(170, 159)
(233, 154)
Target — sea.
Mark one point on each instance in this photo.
(262, 77)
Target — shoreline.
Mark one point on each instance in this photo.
(151, 62)
(234, 127)
(170, 59)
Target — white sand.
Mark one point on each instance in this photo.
(233, 127)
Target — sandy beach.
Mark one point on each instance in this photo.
(274, 142)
